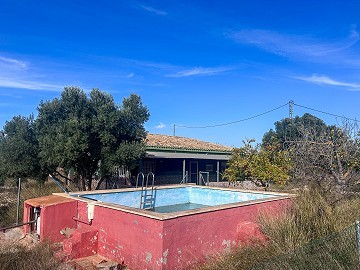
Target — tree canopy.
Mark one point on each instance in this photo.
(288, 129)
(87, 133)
(258, 164)
(19, 148)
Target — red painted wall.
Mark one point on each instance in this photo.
(124, 237)
(145, 243)
(54, 218)
(191, 238)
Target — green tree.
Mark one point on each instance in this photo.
(87, 134)
(258, 164)
(19, 149)
(288, 130)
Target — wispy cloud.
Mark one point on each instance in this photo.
(31, 85)
(154, 10)
(130, 75)
(199, 71)
(294, 46)
(160, 126)
(15, 73)
(12, 63)
(325, 80)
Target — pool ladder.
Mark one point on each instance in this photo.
(147, 192)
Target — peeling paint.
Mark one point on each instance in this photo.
(161, 235)
(136, 222)
(148, 257)
(227, 244)
(163, 259)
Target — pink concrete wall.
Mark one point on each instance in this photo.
(57, 217)
(53, 219)
(127, 238)
(191, 238)
(144, 243)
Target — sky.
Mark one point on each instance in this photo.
(194, 63)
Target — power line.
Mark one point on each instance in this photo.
(335, 115)
(234, 122)
(291, 111)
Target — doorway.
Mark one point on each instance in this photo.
(194, 169)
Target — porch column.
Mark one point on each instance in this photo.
(184, 172)
(217, 171)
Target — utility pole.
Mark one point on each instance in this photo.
(291, 109)
(174, 130)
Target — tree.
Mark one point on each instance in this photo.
(258, 164)
(87, 134)
(329, 160)
(291, 129)
(19, 149)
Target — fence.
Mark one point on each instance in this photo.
(12, 199)
(340, 250)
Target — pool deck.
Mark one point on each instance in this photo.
(165, 216)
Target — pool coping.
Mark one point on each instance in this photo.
(166, 216)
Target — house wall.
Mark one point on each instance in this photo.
(170, 171)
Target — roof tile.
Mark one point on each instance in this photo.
(182, 143)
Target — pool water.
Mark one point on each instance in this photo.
(178, 207)
(177, 199)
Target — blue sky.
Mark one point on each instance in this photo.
(194, 63)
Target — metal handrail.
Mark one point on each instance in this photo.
(137, 179)
(58, 184)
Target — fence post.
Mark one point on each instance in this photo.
(357, 231)
(18, 202)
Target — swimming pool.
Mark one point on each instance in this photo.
(168, 200)
(188, 224)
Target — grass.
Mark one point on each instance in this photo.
(312, 234)
(29, 189)
(19, 257)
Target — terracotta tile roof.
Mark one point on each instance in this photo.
(182, 143)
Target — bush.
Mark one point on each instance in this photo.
(312, 231)
(19, 257)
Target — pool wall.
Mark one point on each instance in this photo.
(149, 240)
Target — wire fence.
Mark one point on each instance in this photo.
(340, 250)
(12, 199)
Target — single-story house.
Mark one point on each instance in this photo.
(175, 159)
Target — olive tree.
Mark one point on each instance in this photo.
(88, 132)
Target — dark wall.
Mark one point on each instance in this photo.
(170, 171)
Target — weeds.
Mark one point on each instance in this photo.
(292, 237)
(19, 257)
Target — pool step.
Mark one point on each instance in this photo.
(81, 243)
(95, 262)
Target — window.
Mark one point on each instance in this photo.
(209, 167)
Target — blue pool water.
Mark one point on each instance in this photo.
(179, 199)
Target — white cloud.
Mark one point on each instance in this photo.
(130, 75)
(325, 80)
(154, 10)
(294, 46)
(6, 62)
(160, 126)
(199, 71)
(31, 85)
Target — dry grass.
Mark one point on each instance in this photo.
(40, 257)
(29, 189)
(311, 217)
